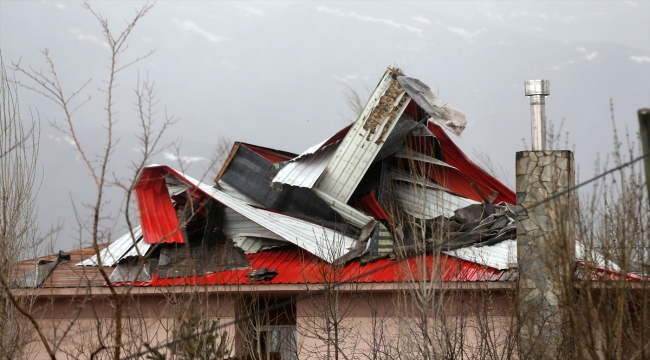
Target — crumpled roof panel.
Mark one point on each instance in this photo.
(299, 267)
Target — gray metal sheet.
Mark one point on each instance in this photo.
(427, 203)
(347, 212)
(405, 153)
(228, 189)
(445, 115)
(401, 175)
(128, 271)
(119, 249)
(252, 245)
(320, 241)
(594, 257)
(236, 225)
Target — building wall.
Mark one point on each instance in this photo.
(370, 324)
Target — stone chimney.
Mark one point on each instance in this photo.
(545, 242)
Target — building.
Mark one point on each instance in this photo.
(383, 241)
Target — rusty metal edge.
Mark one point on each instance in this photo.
(228, 160)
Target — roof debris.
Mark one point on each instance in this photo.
(34, 278)
(388, 186)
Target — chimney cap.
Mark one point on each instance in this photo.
(537, 87)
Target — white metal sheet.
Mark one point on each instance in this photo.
(427, 203)
(119, 249)
(504, 255)
(594, 257)
(500, 256)
(350, 214)
(416, 156)
(236, 225)
(252, 245)
(225, 187)
(305, 170)
(401, 175)
(364, 140)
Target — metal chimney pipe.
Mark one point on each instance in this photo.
(538, 90)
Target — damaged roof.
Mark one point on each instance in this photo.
(389, 186)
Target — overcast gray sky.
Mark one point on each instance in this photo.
(273, 74)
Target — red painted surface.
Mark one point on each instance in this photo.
(459, 183)
(157, 215)
(456, 158)
(271, 155)
(369, 204)
(295, 266)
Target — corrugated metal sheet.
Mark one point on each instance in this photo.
(297, 267)
(347, 212)
(364, 140)
(401, 175)
(427, 203)
(452, 119)
(305, 170)
(131, 271)
(500, 256)
(331, 140)
(312, 237)
(252, 245)
(225, 187)
(504, 255)
(405, 153)
(120, 249)
(456, 158)
(67, 275)
(235, 225)
(158, 217)
(594, 257)
(140, 249)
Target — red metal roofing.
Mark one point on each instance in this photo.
(271, 155)
(455, 157)
(157, 215)
(295, 266)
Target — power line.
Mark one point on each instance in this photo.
(313, 293)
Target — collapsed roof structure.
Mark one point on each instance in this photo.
(390, 185)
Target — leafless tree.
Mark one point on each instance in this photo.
(97, 225)
(18, 225)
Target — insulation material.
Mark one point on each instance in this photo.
(452, 119)
(482, 224)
